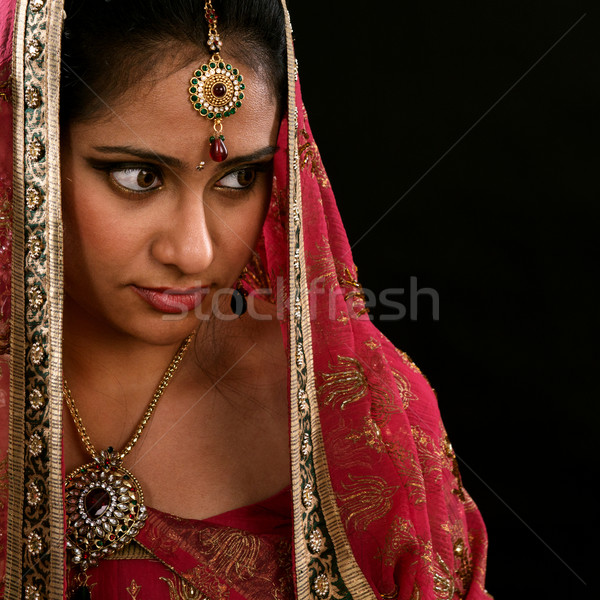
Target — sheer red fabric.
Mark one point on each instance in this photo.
(243, 554)
(413, 529)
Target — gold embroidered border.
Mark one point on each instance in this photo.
(325, 565)
(35, 528)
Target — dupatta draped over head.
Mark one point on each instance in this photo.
(379, 510)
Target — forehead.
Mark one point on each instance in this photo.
(156, 112)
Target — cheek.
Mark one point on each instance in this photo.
(240, 227)
(94, 238)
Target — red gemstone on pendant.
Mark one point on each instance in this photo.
(219, 90)
(96, 502)
(218, 150)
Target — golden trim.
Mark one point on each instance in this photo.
(16, 431)
(55, 298)
(351, 574)
(36, 532)
(299, 542)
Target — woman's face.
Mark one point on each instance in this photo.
(149, 238)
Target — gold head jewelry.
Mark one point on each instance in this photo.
(216, 88)
(104, 501)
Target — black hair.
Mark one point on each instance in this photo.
(108, 45)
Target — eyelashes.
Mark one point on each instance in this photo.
(140, 179)
(137, 179)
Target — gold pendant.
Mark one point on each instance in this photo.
(105, 509)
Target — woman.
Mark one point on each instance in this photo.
(288, 450)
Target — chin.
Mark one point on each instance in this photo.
(163, 332)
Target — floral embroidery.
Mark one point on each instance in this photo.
(181, 590)
(365, 500)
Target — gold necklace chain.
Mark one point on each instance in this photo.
(160, 390)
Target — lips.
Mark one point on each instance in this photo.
(172, 300)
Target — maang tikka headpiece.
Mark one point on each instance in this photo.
(216, 89)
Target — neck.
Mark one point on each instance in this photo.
(102, 360)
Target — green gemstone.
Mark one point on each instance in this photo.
(238, 104)
(198, 73)
(212, 65)
(221, 65)
(228, 67)
(203, 111)
(193, 90)
(194, 98)
(211, 139)
(210, 115)
(242, 86)
(204, 67)
(194, 81)
(241, 96)
(226, 113)
(232, 111)
(240, 78)
(218, 116)
(197, 105)
(235, 71)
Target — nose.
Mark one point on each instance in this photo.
(184, 239)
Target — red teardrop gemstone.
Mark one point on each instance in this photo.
(219, 90)
(97, 500)
(218, 150)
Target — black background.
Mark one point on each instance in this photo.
(476, 124)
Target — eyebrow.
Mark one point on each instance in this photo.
(256, 155)
(176, 163)
(169, 161)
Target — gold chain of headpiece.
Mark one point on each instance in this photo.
(160, 390)
(214, 41)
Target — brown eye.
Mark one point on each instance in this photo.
(145, 179)
(136, 179)
(238, 180)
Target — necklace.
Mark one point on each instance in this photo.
(104, 501)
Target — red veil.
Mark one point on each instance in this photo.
(379, 510)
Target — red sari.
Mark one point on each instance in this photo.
(243, 554)
(376, 511)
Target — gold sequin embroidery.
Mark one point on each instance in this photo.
(365, 500)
